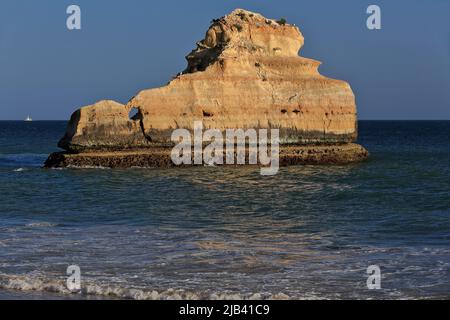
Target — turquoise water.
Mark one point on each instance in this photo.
(308, 232)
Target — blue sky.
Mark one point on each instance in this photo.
(399, 72)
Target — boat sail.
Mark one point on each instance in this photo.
(28, 119)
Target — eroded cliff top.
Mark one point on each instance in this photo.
(244, 32)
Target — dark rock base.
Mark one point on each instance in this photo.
(160, 157)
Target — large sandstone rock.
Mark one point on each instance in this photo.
(246, 73)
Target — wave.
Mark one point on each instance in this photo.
(90, 288)
(41, 225)
(88, 167)
(73, 167)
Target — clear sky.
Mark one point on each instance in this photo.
(399, 72)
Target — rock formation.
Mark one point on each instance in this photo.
(245, 73)
(104, 124)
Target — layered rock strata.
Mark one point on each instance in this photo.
(246, 73)
(161, 157)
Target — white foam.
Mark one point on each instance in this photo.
(33, 283)
(41, 225)
(88, 167)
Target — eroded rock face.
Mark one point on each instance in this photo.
(104, 125)
(246, 73)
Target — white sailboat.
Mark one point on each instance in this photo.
(28, 119)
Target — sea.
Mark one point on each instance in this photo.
(379, 229)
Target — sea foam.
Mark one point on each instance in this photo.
(90, 288)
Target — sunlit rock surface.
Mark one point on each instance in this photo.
(245, 73)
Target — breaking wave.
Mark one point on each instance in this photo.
(42, 224)
(89, 288)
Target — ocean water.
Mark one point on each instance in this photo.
(309, 232)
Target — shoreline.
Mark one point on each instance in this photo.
(9, 294)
